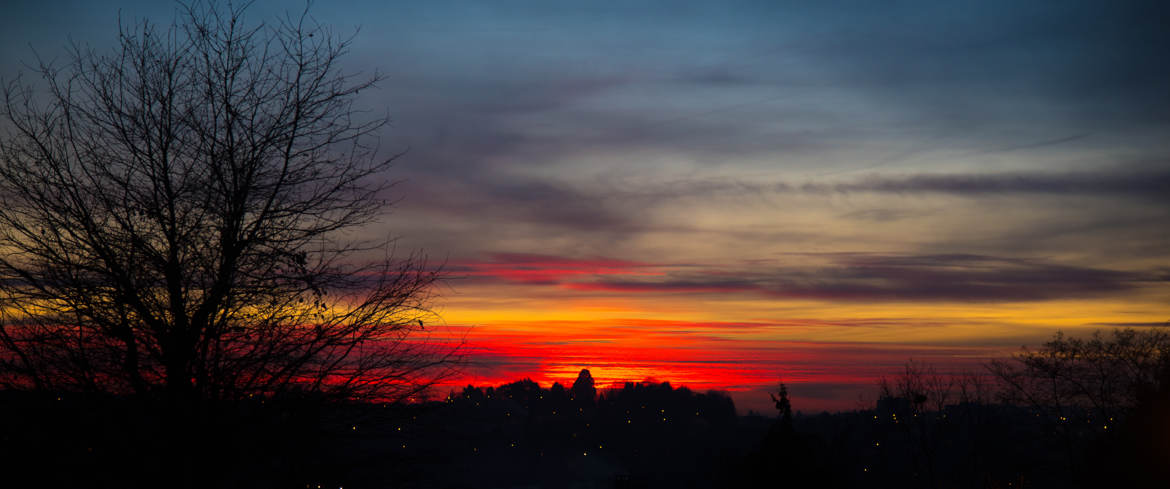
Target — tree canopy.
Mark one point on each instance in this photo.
(177, 216)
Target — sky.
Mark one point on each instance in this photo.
(730, 195)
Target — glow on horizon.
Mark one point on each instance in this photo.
(730, 196)
(829, 353)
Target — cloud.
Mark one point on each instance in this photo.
(687, 327)
(603, 211)
(1145, 324)
(1154, 185)
(1150, 184)
(883, 277)
(883, 215)
(545, 269)
(842, 276)
(674, 286)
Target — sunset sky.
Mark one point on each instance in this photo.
(733, 194)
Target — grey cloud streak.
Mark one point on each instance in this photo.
(603, 204)
(912, 278)
(1155, 185)
(1150, 185)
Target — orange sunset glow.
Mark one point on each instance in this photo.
(546, 318)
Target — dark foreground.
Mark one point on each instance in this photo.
(521, 435)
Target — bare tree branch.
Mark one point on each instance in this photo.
(174, 218)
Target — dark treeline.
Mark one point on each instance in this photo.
(641, 435)
(1076, 412)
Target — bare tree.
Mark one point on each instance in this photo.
(926, 393)
(973, 388)
(176, 220)
(1101, 376)
(921, 385)
(1110, 387)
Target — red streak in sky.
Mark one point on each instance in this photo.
(744, 368)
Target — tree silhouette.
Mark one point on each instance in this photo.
(926, 393)
(583, 390)
(1110, 392)
(921, 385)
(176, 221)
(1108, 376)
(784, 406)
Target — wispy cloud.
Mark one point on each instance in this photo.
(882, 277)
(1154, 185)
(546, 269)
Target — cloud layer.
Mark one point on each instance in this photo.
(842, 277)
